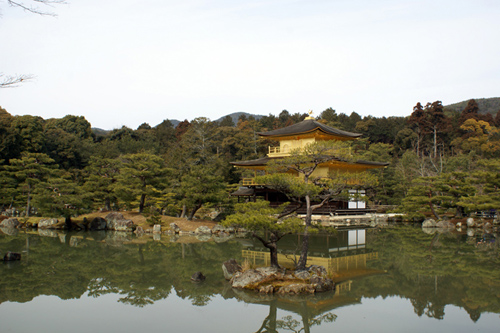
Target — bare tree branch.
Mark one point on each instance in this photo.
(14, 81)
(35, 9)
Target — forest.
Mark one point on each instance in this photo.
(442, 161)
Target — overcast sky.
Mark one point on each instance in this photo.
(127, 62)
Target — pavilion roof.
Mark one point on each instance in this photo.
(243, 192)
(307, 126)
(252, 163)
(263, 162)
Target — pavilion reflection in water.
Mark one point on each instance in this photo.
(344, 254)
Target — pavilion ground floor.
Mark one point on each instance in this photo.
(354, 206)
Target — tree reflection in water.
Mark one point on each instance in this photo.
(141, 272)
(288, 323)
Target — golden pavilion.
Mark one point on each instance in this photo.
(298, 136)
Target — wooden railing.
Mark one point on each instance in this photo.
(248, 182)
(274, 150)
(277, 151)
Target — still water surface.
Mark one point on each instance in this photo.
(388, 280)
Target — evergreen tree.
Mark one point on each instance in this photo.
(265, 223)
(142, 175)
(101, 176)
(30, 171)
(28, 132)
(60, 195)
(417, 123)
(436, 122)
(202, 184)
(471, 111)
(165, 135)
(227, 121)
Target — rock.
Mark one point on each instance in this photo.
(270, 271)
(487, 226)
(157, 229)
(296, 288)
(115, 238)
(139, 230)
(198, 277)
(303, 275)
(222, 237)
(218, 229)
(47, 233)
(100, 236)
(175, 228)
(229, 268)
(252, 276)
(203, 237)
(10, 231)
(270, 280)
(317, 270)
(445, 225)
(321, 283)
(48, 223)
(9, 223)
(203, 230)
(429, 223)
(74, 242)
(62, 238)
(124, 225)
(429, 231)
(471, 223)
(458, 225)
(97, 224)
(268, 289)
(10, 212)
(114, 216)
(116, 221)
(12, 256)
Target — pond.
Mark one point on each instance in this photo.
(396, 279)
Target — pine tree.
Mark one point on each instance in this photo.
(142, 175)
(101, 176)
(30, 171)
(265, 224)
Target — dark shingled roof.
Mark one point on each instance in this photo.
(306, 126)
(243, 192)
(258, 162)
(263, 161)
(372, 163)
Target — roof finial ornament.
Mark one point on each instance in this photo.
(310, 115)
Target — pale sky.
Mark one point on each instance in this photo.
(127, 62)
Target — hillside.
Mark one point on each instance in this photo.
(236, 115)
(486, 105)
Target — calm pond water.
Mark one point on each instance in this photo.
(388, 280)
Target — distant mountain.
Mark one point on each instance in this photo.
(99, 131)
(236, 115)
(175, 122)
(486, 105)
